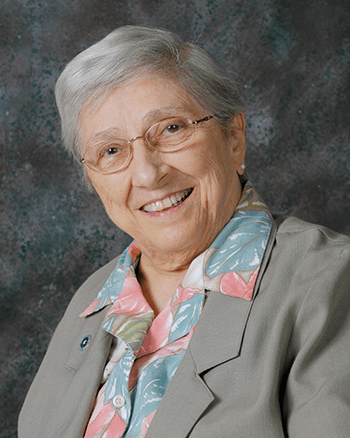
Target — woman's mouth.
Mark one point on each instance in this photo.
(168, 202)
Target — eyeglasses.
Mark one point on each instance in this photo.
(109, 155)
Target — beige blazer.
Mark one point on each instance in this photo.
(278, 366)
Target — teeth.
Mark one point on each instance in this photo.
(167, 202)
(170, 201)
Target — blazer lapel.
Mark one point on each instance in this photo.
(84, 370)
(184, 401)
(217, 338)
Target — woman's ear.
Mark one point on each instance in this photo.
(237, 136)
(238, 122)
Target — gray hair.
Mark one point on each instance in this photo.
(132, 53)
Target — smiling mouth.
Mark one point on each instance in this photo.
(166, 203)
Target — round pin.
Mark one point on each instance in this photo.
(84, 343)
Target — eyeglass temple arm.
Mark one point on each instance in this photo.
(202, 120)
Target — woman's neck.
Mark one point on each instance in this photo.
(158, 284)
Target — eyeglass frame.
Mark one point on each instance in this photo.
(131, 141)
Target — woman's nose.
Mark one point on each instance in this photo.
(147, 166)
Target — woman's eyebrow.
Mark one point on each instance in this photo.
(168, 111)
(101, 136)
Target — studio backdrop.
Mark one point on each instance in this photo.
(292, 62)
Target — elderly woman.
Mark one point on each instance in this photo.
(219, 320)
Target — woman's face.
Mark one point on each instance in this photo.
(205, 171)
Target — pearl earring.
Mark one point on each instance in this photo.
(243, 166)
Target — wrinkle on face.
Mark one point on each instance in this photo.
(210, 165)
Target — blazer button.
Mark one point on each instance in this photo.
(84, 343)
(118, 401)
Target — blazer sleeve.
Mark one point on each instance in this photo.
(62, 394)
(317, 391)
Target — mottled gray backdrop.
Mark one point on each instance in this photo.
(292, 59)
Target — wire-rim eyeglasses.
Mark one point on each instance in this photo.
(109, 154)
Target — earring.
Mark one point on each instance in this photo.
(243, 166)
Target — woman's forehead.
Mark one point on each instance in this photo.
(173, 95)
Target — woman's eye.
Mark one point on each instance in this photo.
(171, 129)
(175, 128)
(111, 151)
(167, 131)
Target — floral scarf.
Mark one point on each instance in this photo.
(148, 350)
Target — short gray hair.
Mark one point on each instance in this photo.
(131, 53)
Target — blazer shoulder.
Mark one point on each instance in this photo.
(300, 234)
(300, 254)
